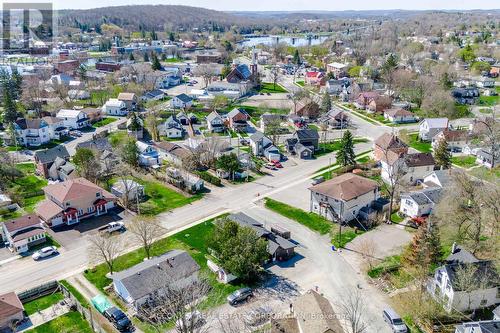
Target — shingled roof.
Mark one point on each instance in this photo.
(389, 141)
(49, 155)
(9, 305)
(345, 187)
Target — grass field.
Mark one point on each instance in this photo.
(396, 218)
(43, 303)
(300, 83)
(414, 142)
(464, 161)
(489, 100)
(103, 122)
(268, 87)
(332, 146)
(310, 220)
(70, 322)
(347, 235)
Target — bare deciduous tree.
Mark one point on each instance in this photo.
(145, 230)
(353, 309)
(104, 249)
(368, 247)
(395, 170)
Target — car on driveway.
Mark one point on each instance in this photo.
(114, 226)
(394, 320)
(119, 319)
(239, 296)
(44, 252)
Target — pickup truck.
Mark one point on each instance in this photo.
(112, 227)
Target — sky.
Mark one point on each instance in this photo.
(288, 5)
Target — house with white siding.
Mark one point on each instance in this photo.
(115, 107)
(31, 132)
(74, 119)
(429, 127)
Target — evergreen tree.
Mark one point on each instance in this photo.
(442, 155)
(131, 57)
(9, 104)
(171, 36)
(326, 102)
(345, 155)
(296, 57)
(16, 84)
(155, 62)
(425, 249)
(146, 57)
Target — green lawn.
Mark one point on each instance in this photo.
(485, 173)
(117, 137)
(396, 218)
(310, 220)
(332, 146)
(388, 264)
(300, 83)
(268, 87)
(486, 110)
(80, 298)
(70, 322)
(489, 100)
(424, 147)
(43, 303)
(174, 59)
(347, 235)
(103, 122)
(464, 161)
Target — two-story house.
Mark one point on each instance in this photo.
(399, 116)
(263, 146)
(342, 197)
(171, 128)
(419, 203)
(465, 283)
(148, 155)
(22, 233)
(31, 133)
(45, 158)
(238, 119)
(388, 142)
(406, 168)
(429, 127)
(71, 201)
(130, 100)
(181, 101)
(455, 139)
(215, 123)
(115, 107)
(74, 119)
(56, 127)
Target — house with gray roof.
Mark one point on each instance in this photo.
(429, 127)
(137, 284)
(263, 146)
(181, 101)
(419, 203)
(486, 326)
(45, 158)
(215, 123)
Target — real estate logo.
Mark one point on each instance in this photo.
(27, 27)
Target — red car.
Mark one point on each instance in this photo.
(277, 164)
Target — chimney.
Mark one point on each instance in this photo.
(454, 248)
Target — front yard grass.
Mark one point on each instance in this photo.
(414, 142)
(332, 146)
(396, 218)
(103, 122)
(268, 87)
(347, 235)
(42, 303)
(300, 83)
(489, 100)
(70, 322)
(464, 161)
(310, 220)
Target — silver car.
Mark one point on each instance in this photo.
(44, 252)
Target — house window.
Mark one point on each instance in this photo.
(97, 195)
(484, 302)
(67, 204)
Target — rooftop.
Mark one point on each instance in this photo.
(345, 187)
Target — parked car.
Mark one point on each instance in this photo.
(240, 295)
(317, 180)
(394, 320)
(114, 226)
(44, 252)
(269, 166)
(192, 320)
(75, 133)
(277, 164)
(119, 319)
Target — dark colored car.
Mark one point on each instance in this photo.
(239, 296)
(119, 319)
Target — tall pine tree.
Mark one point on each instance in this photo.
(442, 155)
(345, 155)
(155, 62)
(326, 102)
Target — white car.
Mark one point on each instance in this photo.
(115, 226)
(45, 252)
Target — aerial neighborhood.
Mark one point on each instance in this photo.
(168, 168)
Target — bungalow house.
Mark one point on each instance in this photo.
(24, 232)
(181, 101)
(153, 95)
(419, 203)
(337, 69)
(172, 128)
(31, 133)
(74, 119)
(270, 118)
(400, 116)
(487, 159)
(307, 137)
(314, 78)
(130, 100)
(468, 96)
(215, 123)
(343, 197)
(129, 188)
(429, 127)
(263, 146)
(137, 284)
(185, 180)
(378, 104)
(456, 139)
(311, 313)
(485, 82)
(73, 200)
(238, 119)
(11, 311)
(148, 155)
(413, 167)
(485, 326)
(388, 142)
(115, 107)
(78, 94)
(62, 170)
(279, 248)
(56, 127)
(97, 144)
(479, 291)
(45, 158)
(438, 178)
(335, 118)
(172, 152)
(228, 89)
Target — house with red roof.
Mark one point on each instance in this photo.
(71, 201)
(24, 232)
(314, 78)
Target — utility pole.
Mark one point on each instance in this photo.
(340, 222)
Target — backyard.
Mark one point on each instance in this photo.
(42, 303)
(464, 161)
(104, 121)
(70, 322)
(414, 142)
